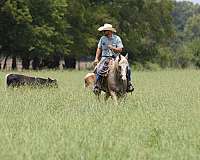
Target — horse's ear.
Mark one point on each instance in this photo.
(126, 56)
(119, 57)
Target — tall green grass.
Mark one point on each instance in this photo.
(160, 120)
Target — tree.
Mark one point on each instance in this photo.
(144, 24)
(192, 28)
(195, 49)
(15, 28)
(181, 13)
(32, 28)
(49, 27)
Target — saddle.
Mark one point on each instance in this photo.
(104, 68)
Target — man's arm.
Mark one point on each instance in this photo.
(98, 54)
(97, 57)
(114, 49)
(119, 46)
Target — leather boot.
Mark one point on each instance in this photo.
(97, 87)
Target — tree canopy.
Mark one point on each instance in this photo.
(152, 31)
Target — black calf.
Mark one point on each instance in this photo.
(16, 80)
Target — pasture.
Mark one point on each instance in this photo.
(159, 121)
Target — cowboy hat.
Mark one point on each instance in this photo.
(107, 27)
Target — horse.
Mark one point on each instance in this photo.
(114, 84)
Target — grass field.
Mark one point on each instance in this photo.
(159, 121)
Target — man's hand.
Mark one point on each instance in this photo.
(110, 47)
(96, 61)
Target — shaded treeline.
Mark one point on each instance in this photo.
(155, 33)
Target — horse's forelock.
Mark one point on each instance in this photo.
(123, 60)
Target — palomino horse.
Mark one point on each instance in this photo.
(115, 83)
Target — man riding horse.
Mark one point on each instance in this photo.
(109, 46)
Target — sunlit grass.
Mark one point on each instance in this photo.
(160, 120)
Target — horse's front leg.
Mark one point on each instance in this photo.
(114, 97)
(98, 96)
(122, 98)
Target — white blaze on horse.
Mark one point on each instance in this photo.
(114, 84)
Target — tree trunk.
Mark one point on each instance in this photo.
(4, 65)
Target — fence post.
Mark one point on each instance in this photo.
(19, 64)
(9, 64)
(61, 64)
(31, 64)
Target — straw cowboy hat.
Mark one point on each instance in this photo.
(107, 27)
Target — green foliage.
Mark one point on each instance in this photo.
(151, 66)
(181, 13)
(49, 27)
(165, 56)
(195, 49)
(187, 22)
(152, 31)
(34, 28)
(15, 27)
(146, 66)
(184, 56)
(136, 66)
(147, 24)
(192, 28)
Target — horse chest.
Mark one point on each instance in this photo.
(114, 84)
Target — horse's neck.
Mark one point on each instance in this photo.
(114, 70)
